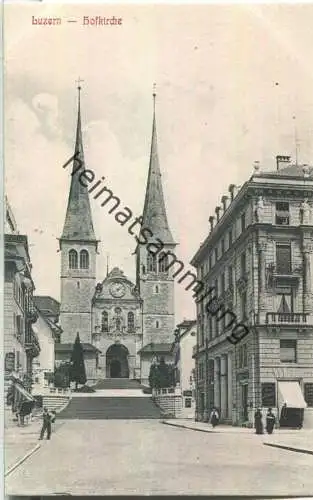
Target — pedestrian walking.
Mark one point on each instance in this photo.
(270, 421)
(53, 417)
(258, 421)
(214, 418)
(46, 424)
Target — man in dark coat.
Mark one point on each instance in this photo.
(258, 422)
(46, 424)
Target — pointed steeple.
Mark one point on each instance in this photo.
(78, 220)
(154, 212)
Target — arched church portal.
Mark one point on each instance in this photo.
(117, 361)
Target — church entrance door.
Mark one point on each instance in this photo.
(115, 369)
(117, 361)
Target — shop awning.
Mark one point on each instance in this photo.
(291, 394)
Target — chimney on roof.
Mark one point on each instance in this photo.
(211, 221)
(224, 200)
(306, 170)
(217, 211)
(231, 189)
(282, 160)
(256, 167)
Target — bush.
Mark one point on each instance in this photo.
(161, 375)
(62, 376)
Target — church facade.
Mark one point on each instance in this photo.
(126, 326)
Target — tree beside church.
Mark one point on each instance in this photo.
(77, 368)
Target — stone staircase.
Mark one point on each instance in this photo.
(117, 383)
(115, 399)
(55, 402)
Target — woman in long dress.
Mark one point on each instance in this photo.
(214, 418)
(270, 421)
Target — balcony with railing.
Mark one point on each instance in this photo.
(283, 274)
(32, 345)
(291, 318)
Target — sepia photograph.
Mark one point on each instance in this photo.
(158, 249)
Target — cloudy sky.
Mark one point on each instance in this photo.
(229, 79)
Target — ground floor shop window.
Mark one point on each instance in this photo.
(308, 394)
(268, 394)
(187, 402)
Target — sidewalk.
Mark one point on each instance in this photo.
(293, 440)
(21, 442)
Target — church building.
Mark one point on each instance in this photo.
(123, 326)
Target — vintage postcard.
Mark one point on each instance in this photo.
(158, 271)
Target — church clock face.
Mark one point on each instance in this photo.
(117, 290)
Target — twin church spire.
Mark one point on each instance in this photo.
(154, 212)
(78, 221)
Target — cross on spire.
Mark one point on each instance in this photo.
(78, 82)
(154, 95)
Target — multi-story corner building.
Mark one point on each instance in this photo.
(49, 334)
(21, 344)
(258, 257)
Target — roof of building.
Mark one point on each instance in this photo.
(78, 223)
(294, 171)
(156, 348)
(68, 347)
(47, 305)
(154, 212)
(291, 173)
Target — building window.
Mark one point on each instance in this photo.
(230, 238)
(216, 254)
(163, 262)
(201, 371)
(243, 305)
(288, 351)
(230, 277)
(19, 325)
(187, 402)
(72, 259)
(222, 282)
(283, 258)
(84, 259)
(201, 333)
(131, 321)
(282, 215)
(243, 264)
(104, 322)
(243, 222)
(210, 327)
(151, 263)
(223, 246)
(243, 356)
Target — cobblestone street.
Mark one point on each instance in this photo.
(147, 457)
